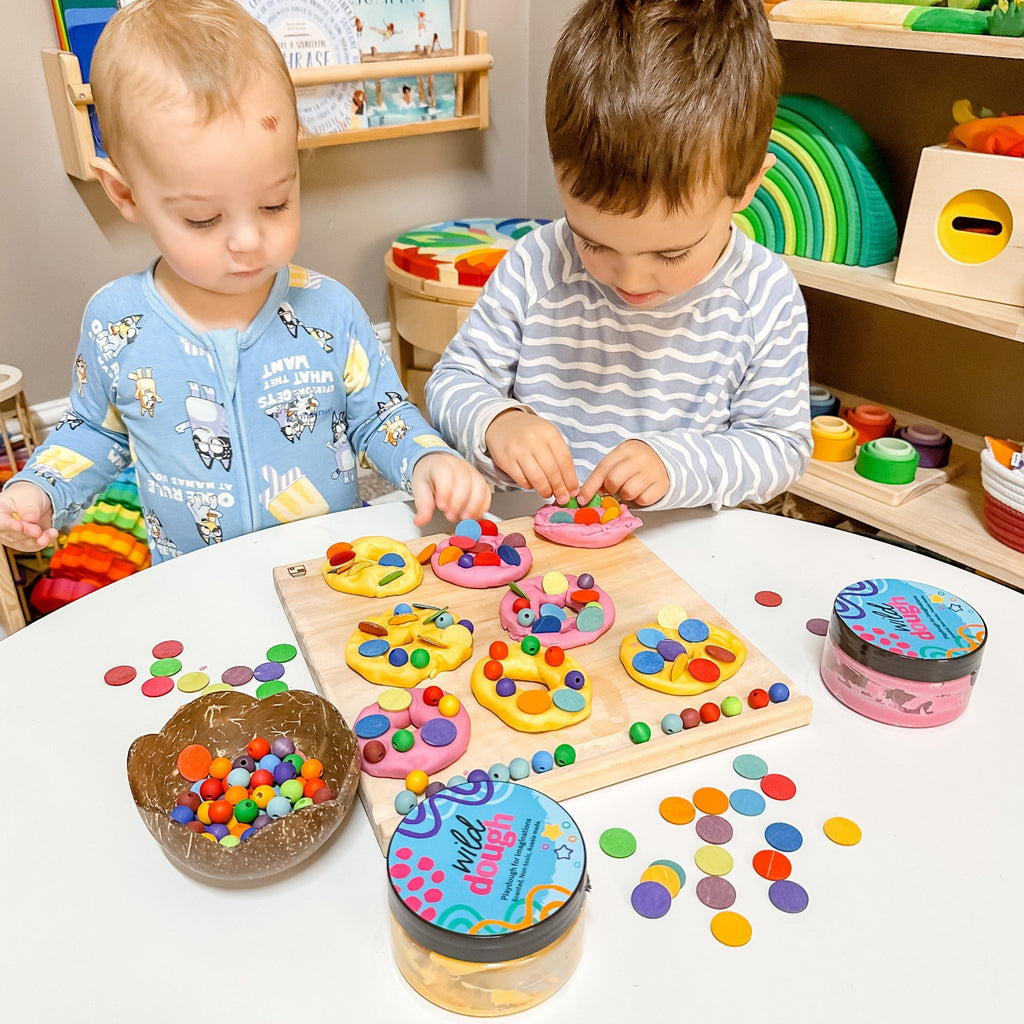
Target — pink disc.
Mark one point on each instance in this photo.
(119, 675)
(157, 686)
(237, 675)
(168, 649)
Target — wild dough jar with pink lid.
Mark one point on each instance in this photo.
(902, 653)
(487, 884)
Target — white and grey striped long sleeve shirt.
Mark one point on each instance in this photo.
(715, 380)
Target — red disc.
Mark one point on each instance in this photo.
(778, 787)
(487, 558)
(704, 671)
(488, 528)
(168, 649)
(722, 654)
(587, 516)
(119, 675)
(772, 865)
(157, 686)
(768, 598)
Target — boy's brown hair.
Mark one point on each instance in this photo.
(213, 47)
(652, 100)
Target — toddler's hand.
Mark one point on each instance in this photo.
(534, 453)
(633, 471)
(451, 485)
(25, 517)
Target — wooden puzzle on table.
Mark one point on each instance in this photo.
(639, 584)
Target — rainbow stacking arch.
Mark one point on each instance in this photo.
(828, 196)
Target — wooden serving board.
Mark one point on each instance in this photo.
(843, 474)
(638, 582)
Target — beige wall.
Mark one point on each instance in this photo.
(60, 239)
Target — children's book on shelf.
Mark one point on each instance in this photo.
(315, 34)
(390, 30)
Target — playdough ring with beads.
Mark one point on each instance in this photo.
(410, 643)
(578, 528)
(590, 605)
(564, 700)
(690, 658)
(480, 557)
(371, 567)
(428, 725)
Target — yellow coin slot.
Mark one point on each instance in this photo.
(974, 226)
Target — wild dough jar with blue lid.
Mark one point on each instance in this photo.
(486, 884)
(902, 653)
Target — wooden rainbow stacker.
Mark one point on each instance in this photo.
(638, 582)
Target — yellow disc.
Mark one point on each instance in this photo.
(731, 929)
(554, 583)
(216, 688)
(843, 831)
(713, 860)
(670, 615)
(449, 705)
(711, 800)
(664, 876)
(677, 809)
(416, 781)
(192, 682)
(394, 698)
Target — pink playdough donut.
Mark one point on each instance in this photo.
(572, 597)
(427, 757)
(485, 559)
(616, 523)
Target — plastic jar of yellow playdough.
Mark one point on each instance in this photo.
(487, 882)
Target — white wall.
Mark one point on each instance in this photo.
(60, 239)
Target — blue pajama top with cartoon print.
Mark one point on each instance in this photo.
(230, 431)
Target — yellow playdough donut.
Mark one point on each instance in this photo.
(407, 645)
(498, 684)
(683, 657)
(372, 567)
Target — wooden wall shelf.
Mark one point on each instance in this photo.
(70, 98)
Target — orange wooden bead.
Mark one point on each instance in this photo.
(219, 767)
(312, 768)
(310, 786)
(236, 793)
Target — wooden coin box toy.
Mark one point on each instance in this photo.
(965, 227)
(640, 585)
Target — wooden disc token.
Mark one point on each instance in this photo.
(710, 800)
(677, 810)
(721, 654)
(768, 598)
(168, 649)
(731, 929)
(843, 831)
(533, 702)
(772, 864)
(778, 787)
(663, 875)
(119, 675)
(703, 670)
(194, 762)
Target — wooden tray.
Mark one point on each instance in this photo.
(638, 582)
(843, 474)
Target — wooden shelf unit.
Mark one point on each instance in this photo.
(70, 98)
(948, 520)
(875, 285)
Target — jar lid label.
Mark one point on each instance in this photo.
(486, 858)
(908, 619)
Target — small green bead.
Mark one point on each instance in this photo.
(564, 754)
(402, 740)
(639, 732)
(530, 645)
(305, 801)
(731, 707)
(419, 658)
(295, 760)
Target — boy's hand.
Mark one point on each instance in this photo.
(633, 472)
(534, 453)
(26, 515)
(451, 485)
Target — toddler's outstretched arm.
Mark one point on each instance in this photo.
(26, 516)
(451, 485)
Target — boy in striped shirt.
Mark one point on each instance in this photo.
(642, 345)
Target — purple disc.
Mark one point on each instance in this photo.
(237, 675)
(651, 899)
(670, 649)
(438, 732)
(819, 627)
(788, 896)
(268, 670)
(716, 892)
(713, 828)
